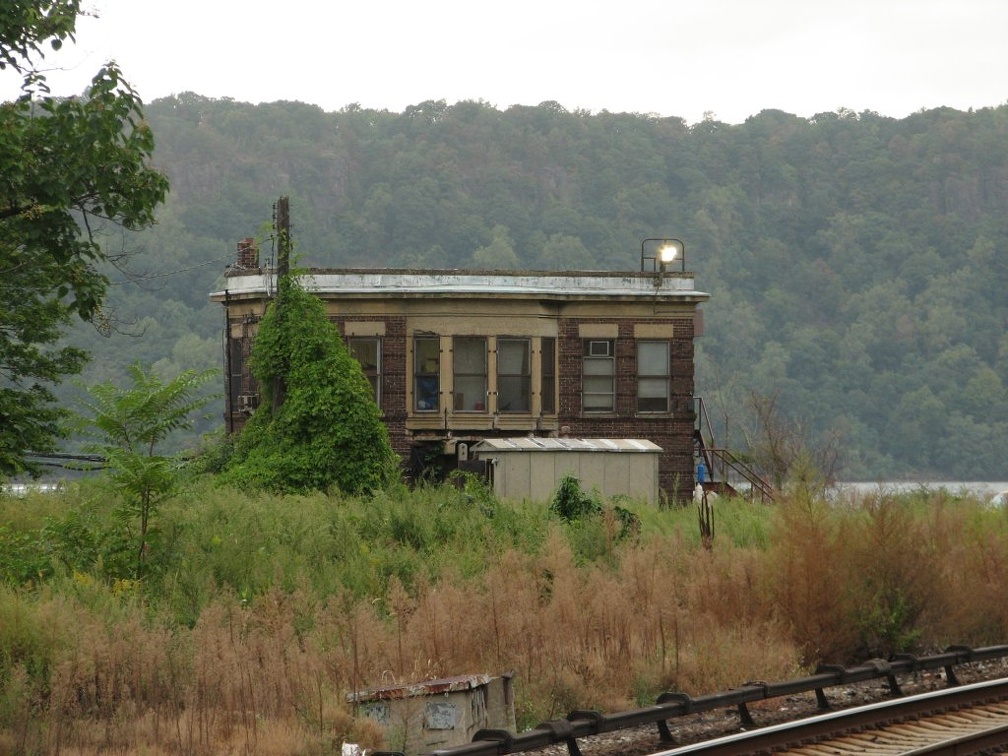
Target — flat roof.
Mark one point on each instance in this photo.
(428, 688)
(528, 444)
(255, 283)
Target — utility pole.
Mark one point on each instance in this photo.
(281, 223)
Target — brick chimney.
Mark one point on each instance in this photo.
(248, 254)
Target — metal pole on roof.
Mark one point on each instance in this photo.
(283, 236)
(282, 226)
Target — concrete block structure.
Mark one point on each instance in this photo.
(425, 716)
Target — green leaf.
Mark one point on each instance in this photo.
(87, 158)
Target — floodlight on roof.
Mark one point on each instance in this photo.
(662, 252)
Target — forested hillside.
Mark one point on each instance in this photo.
(858, 264)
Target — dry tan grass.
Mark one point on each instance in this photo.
(271, 676)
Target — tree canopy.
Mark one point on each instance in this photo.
(69, 166)
(854, 260)
(27, 26)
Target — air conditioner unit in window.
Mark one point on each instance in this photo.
(247, 402)
(599, 349)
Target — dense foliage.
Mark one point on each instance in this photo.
(856, 262)
(318, 426)
(69, 166)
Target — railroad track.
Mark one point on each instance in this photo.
(968, 719)
(635, 732)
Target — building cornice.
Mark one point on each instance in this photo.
(470, 284)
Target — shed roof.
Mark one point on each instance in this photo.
(528, 444)
(428, 688)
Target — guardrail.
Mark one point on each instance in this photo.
(581, 724)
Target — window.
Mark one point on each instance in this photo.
(470, 373)
(547, 380)
(514, 375)
(598, 375)
(652, 376)
(426, 373)
(367, 351)
(236, 368)
(242, 385)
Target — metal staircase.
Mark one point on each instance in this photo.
(729, 475)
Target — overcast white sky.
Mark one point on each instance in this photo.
(732, 58)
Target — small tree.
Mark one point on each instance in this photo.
(779, 446)
(326, 429)
(127, 426)
(69, 166)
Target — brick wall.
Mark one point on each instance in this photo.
(673, 433)
(248, 254)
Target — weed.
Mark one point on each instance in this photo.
(258, 613)
(571, 503)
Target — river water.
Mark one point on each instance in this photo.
(996, 492)
(981, 489)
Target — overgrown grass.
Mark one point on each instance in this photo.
(260, 613)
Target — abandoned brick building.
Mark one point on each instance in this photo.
(456, 357)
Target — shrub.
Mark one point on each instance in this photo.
(571, 503)
(318, 426)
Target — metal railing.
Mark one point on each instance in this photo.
(726, 468)
(729, 468)
(582, 724)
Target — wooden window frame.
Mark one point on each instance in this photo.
(372, 372)
(467, 396)
(654, 388)
(426, 375)
(523, 378)
(598, 367)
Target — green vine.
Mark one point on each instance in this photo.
(323, 429)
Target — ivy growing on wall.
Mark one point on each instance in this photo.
(318, 427)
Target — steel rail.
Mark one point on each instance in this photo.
(919, 724)
(584, 724)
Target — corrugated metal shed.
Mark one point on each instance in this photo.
(532, 468)
(527, 443)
